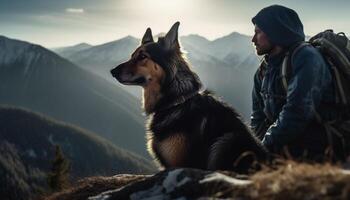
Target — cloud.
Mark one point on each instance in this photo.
(75, 10)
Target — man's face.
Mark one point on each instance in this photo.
(262, 43)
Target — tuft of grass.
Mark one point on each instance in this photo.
(289, 180)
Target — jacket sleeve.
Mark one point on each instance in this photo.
(258, 116)
(310, 74)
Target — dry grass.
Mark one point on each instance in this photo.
(93, 186)
(292, 180)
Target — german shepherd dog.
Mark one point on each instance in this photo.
(186, 127)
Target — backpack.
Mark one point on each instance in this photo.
(335, 48)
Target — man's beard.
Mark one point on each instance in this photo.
(264, 51)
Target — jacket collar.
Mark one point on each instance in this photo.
(275, 60)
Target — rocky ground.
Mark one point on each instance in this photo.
(289, 180)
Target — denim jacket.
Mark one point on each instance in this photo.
(309, 88)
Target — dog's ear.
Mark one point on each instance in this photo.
(147, 37)
(170, 39)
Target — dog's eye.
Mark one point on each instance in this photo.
(141, 57)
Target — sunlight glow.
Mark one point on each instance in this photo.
(165, 5)
(162, 13)
(75, 10)
(97, 22)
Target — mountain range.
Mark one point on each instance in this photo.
(66, 51)
(225, 65)
(40, 80)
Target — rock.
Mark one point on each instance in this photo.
(179, 183)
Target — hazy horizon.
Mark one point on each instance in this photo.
(69, 22)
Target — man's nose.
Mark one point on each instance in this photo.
(253, 39)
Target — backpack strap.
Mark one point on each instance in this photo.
(286, 70)
(262, 68)
(340, 94)
(343, 60)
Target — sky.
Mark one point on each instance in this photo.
(57, 23)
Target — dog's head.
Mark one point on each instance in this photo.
(151, 61)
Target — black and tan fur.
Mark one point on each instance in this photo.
(187, 128)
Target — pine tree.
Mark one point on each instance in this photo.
(58, 177)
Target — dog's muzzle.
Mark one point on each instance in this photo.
(127, 78)
(115, 72)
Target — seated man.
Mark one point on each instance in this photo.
(286, 120)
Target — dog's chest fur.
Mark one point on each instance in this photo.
(168, 145)
(171, 150)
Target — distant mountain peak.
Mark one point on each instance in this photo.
(233, 36)
(82, 44)
(196, 37)
(235, 33)
(70, 49)
(194, 41)
(128, 37)
(64, 51)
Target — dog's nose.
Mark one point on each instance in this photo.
(115, 71)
